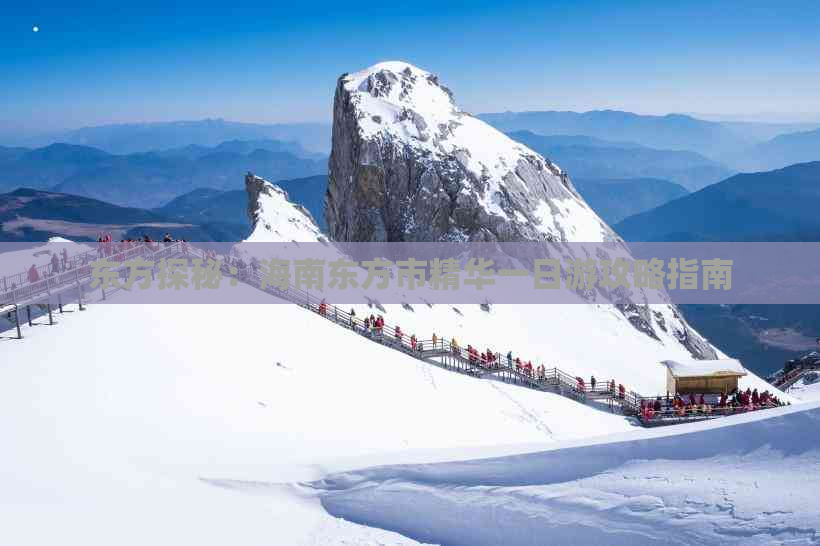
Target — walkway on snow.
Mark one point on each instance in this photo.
(74, 279)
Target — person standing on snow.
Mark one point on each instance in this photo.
(33, 276)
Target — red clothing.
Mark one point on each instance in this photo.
(33, 276)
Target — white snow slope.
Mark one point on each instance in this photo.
(119, 421)
(398, 101)
(19, 261)
(137, 424)
(280, 220)
(582, 339)
(744, 480)
(402, 111)
(807, 387)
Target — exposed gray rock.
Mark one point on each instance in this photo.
(408, 165)
(432, 185)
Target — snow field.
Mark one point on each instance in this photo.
(743, 480)
(189, 416)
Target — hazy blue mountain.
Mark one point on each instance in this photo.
(310, 193)
(779, 205)
(241, 147)
(35, 215)
(762, 206)
(147, 179)
(761, 131)
(751, 332)
(616, 199)
(208, 205)
(11, 154)
(591, 157)
(783, 150)
(144, 137)
(669, 132)
(44, 167)
(562, 141)
(205, 205)
(31, 203)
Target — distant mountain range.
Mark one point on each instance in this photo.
(240, 147)
(132, 138)
(740, 146)
(763, 337)
(782, 150)
(669, 132)
(735, 145)
(774, 205)
(779, 205)
(589, 157)
(618, 198)
(203, 214)
(150, 179)
(205, 205)
(760, 131)
(35, 215)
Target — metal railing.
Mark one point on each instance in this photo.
(786, 380)
(25, 287)
(669, 415)
(444, 352)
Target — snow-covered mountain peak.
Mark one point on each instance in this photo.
(409, 165)
(401, 98)
(450, 176)
(274, 218)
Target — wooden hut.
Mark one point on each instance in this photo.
(703, 376)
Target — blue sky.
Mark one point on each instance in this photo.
(260, 61)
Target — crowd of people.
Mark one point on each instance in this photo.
(704, 404)
(373, 326)
(749, 400)
(610, 388)
(57, 264)
(106, 247)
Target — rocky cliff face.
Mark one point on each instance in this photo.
(408, 165)
(274, 218)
